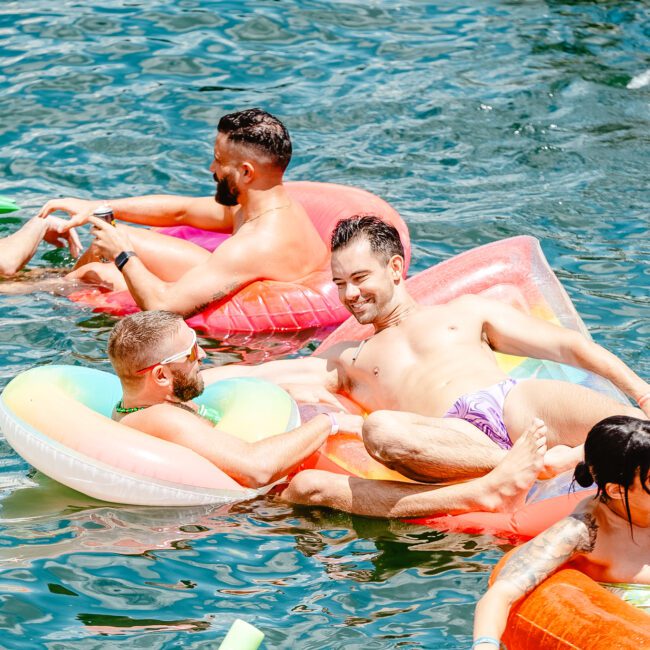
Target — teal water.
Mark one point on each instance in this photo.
(475, 120)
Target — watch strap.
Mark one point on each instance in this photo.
(123, 257)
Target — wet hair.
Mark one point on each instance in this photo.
(261, 131)
(139, 340)
(617, 450)
(383, 238)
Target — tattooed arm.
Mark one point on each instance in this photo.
(239, 261)
(528, 566)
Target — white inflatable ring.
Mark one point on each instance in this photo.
(58, 419)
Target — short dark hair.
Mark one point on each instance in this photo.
(260, 130)
(617, 450)
(383, 237)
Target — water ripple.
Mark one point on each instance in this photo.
(476, 121)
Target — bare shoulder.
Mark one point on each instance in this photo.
(585, 525)
(268, 240)
(428, 314)
(161, 420)
(470, 302)
(244, 250)
(343, 351)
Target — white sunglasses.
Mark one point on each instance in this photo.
(191, 353)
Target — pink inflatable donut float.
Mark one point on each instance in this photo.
(267, 305)
(514, 271)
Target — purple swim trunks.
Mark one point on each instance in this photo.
(484, 409)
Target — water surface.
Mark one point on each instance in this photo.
(477, 121)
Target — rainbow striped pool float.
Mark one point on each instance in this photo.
(58, 419)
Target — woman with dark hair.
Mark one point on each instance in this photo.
(607, 537)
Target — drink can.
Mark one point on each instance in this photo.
(105, 213)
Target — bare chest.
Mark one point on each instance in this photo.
(401, 363)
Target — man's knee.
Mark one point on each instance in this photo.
(308, 487)
(99, 273)
(380, 431)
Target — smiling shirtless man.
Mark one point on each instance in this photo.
(251, 152)
(441, 408)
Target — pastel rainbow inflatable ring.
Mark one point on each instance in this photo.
(270, 306)
(516, 272)
(58, 419)
(568, 611)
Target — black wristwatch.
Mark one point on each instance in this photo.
(123, 258)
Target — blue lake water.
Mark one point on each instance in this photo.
(477, 121)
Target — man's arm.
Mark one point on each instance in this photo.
(510, 331)
(18, 248)
(528, 566)
(250, 464)
(154, 210)
(313, 374)
(236, 263)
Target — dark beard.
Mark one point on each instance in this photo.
(186, 388)
(225, 194)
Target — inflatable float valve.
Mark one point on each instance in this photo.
(7, 205)
(242, 636)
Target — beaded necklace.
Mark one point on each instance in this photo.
(202, 411)
(121, 409)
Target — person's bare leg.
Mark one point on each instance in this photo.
(569, 410)
(166, 257)
(104, 274)
(430, 450)
(502, 490)
(35, 280)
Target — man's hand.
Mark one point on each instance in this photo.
(58, 233)
(349, 423)
(312, 394)
(79, 210)
(109, 240)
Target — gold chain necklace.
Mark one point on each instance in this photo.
(261, 214)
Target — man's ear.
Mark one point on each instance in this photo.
(159, 376)
(396, 265)
(247, 172)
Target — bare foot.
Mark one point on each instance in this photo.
(509, 482)
(560, 459)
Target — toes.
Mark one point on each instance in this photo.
(536, 435)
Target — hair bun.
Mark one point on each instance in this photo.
(583, 475)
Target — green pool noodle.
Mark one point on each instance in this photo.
(7, 205)
(242, 636)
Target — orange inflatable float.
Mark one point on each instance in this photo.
(514, 271)
(267, 305)
(569, 611)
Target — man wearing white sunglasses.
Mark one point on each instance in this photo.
(157, 359)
